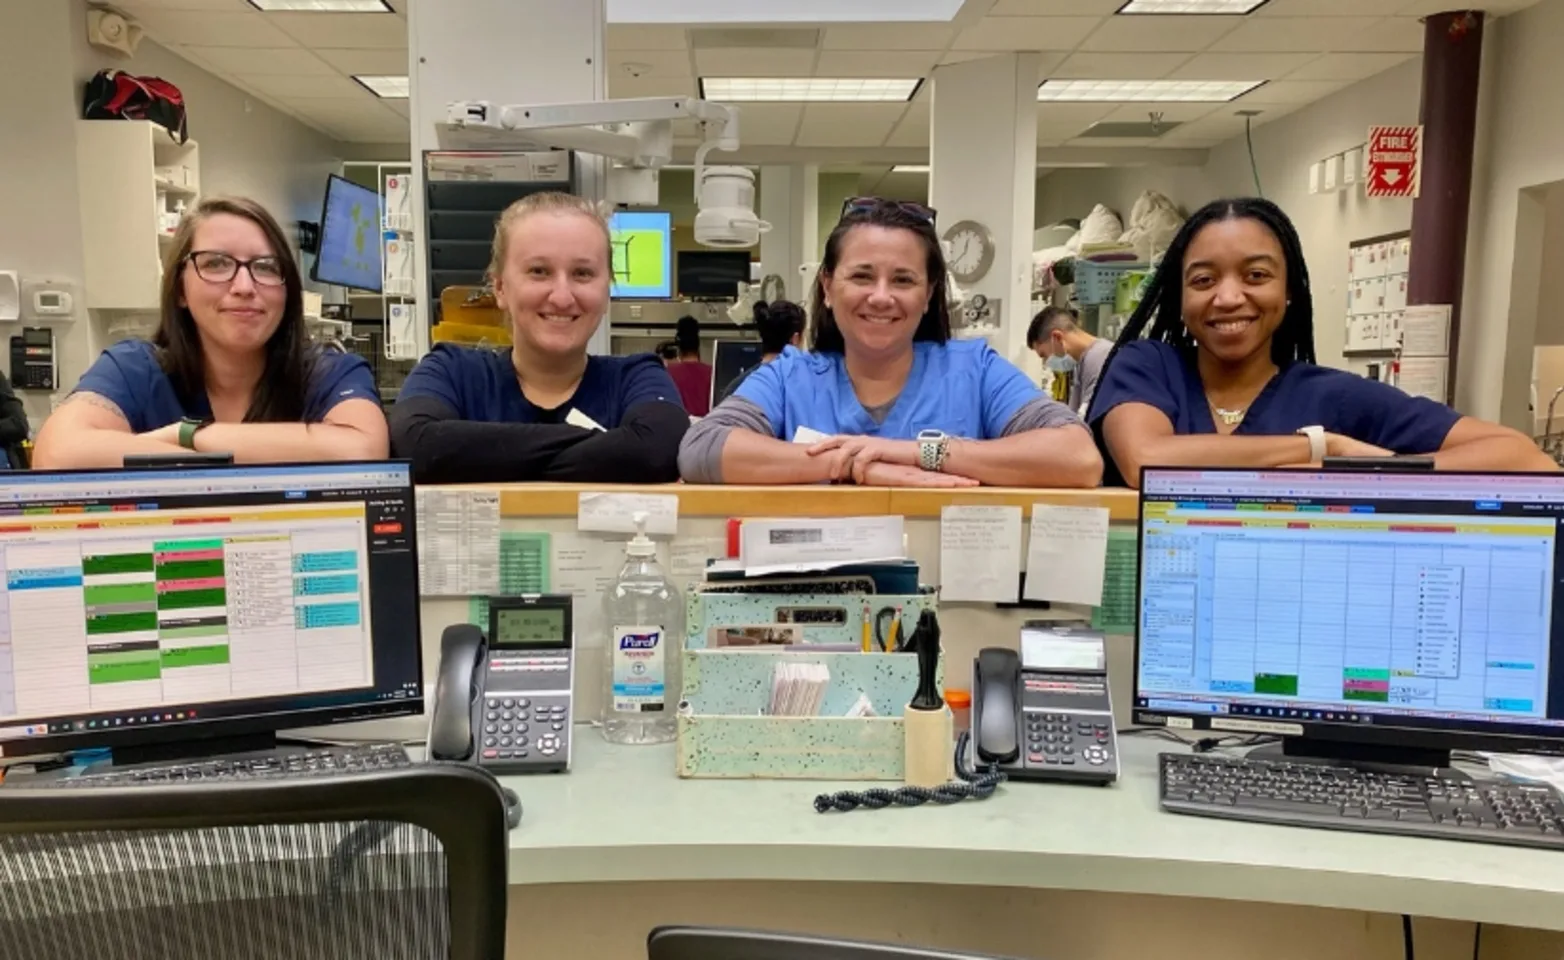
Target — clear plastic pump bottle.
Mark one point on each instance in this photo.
(643, 681)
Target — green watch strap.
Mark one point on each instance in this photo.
(187, 431)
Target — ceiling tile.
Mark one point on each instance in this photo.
(1287, 34)
(622, 86)
(298, 87)
(645, 36)
(913, 130)
(1349, 66)
(1171, 112)
(367, 62)
(369, 130)
(1005, 34)
(1054, 8)
(1333, 8)
(343, 30)
(847, 124)
(1057, 122)
(1241, 66)
(261, 61)
(1118, 66)
(1159, 34)
(1290, 92)
(398, 107)
(888, 36)
(135, 7)
(1390, 35)
(1215, 128)
(876, 63)
(202, 29)
(650, 63)
(1113, 142)
(768, 124)
(331, 110)
(733, 62)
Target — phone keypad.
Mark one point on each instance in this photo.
(506, 730)
(1061, 740)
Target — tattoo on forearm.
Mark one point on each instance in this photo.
(96, 400)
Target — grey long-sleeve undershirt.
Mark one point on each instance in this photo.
(700, 454)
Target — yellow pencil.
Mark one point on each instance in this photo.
(868, 639)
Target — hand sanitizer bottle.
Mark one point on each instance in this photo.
(645, 633)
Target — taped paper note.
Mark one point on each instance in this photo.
(524, 568)
(615, 512)
(1116, 614)
(1068, 554)
(980, 554)
(687, 558)
(458, 542)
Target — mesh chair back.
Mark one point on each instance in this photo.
(395, 865)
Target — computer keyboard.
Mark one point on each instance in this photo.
(306, 763)
(1344, 798)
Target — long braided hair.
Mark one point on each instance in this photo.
(1162, 307)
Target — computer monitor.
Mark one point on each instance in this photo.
(729, 359)
(642, 245)
(1359, 615)
(712, 274)
(349, 253)
(181, 611)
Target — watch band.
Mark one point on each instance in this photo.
(187, 431)
(1316, 437)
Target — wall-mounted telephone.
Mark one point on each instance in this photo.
(1046, 713)
(32, 359)
(503, 700)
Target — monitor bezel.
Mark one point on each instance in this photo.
(325, 205)
(669, 258)
(1460, 735)
(249, 724)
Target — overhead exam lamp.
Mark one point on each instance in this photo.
(638, 134)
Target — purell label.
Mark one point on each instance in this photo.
(639, 684)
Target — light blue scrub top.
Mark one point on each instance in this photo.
(962, 387)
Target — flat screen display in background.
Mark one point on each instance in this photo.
(642, 242)
(350, 248)
(712, 274)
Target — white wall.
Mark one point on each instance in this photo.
(247, 147)
(1284, 150)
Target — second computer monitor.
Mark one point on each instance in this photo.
(1401, 609)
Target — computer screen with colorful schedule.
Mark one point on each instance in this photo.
(1349, 603)
(182, 602)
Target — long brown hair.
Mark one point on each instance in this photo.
(280, 393)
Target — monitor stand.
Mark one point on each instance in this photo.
(1382, 758)
(201, 748)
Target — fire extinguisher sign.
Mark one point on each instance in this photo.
(1395, 161)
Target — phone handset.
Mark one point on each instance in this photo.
(450, 729)
(996, 705)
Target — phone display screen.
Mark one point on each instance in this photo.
(529, 627)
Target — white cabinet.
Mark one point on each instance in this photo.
(133, 180)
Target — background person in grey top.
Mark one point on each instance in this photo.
(1056, 337)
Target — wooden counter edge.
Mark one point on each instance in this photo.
(562, 500)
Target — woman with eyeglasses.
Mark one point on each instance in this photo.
(228, 370)
(886, 397)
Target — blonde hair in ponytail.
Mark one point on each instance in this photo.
(548, 202)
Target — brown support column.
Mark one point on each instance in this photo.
(1452, 60)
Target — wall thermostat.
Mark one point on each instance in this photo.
(51, 303)
(48, 300)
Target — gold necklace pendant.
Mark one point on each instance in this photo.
(1232, 418)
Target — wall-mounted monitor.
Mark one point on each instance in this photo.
(712, 274)
(642, 242)
(350, 249)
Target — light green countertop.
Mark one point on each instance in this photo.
(621, 814)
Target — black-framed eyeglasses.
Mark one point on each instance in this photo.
(215, 266)
(858, 205)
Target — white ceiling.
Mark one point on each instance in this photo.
(303, 64)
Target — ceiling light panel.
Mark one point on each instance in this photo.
(390, 88)
(322, 6)
(1144, 91)
(910, 168)
(808, 89)
(1229, 7)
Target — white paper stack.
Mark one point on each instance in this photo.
(798, 689)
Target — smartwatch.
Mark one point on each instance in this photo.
(1316, 437)
(187, 430)
(933, 448)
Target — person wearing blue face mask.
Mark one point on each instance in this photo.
(1058, 339)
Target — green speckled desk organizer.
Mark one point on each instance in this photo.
(723, 732)
(706, 610)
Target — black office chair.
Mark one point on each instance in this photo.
(390, 865)
(717, 943)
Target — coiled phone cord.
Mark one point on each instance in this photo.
(976, 784)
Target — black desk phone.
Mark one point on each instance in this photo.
(503, 700)
(1046, 713)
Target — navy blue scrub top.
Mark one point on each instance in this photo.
(129, 374)
(1300, 395)
(481, 385)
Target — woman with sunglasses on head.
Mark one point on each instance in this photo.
(229, 369)
(889, 398)
(1227, 375)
